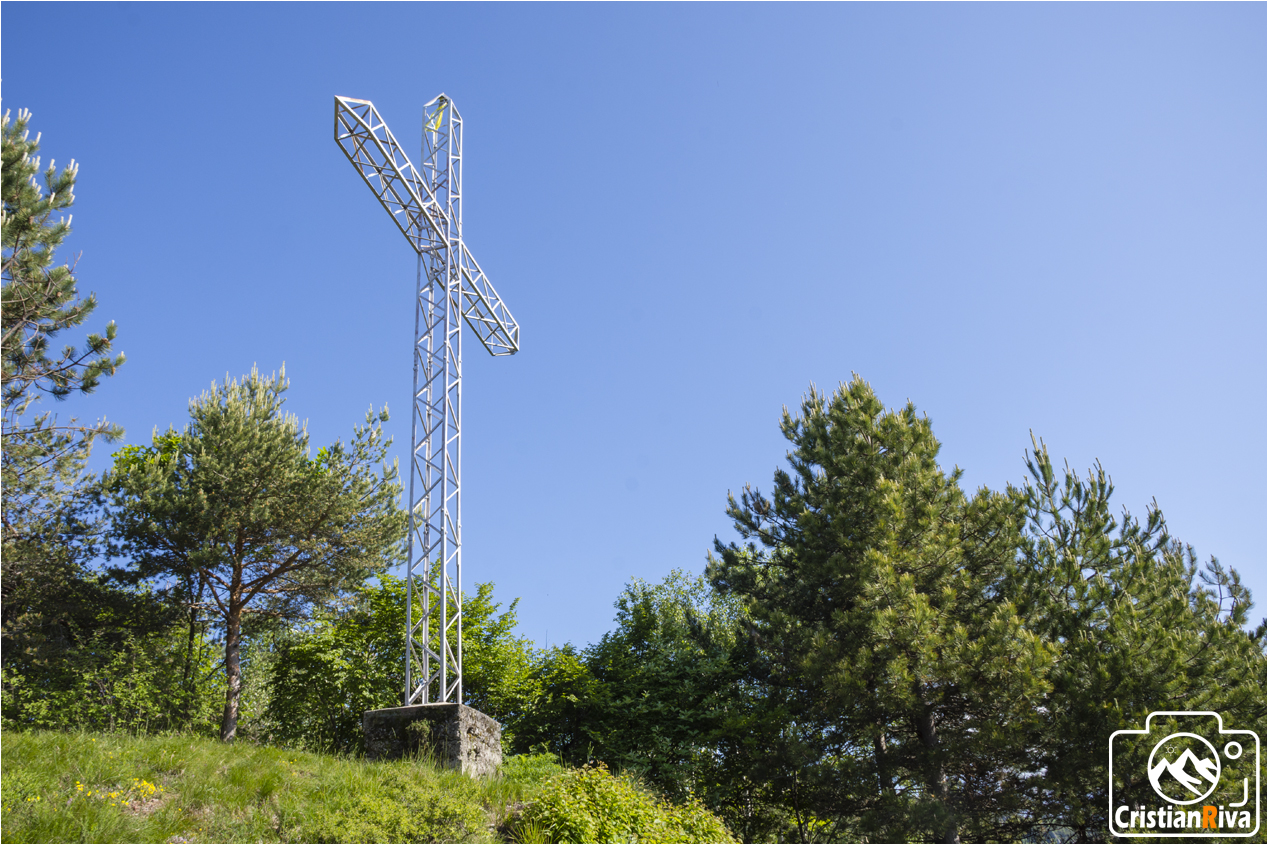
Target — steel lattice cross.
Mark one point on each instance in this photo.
(427, 208)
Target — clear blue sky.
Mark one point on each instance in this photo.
(1021, 217)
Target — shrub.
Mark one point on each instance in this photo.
(592, 805)
(111, 681)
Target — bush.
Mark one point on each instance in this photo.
(592, 805)
(322, 678)
(112, 681)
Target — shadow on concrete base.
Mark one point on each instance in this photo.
(455, 735)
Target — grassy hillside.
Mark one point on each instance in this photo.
(64, 787)
(61, 787)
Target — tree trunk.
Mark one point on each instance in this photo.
(801, 825)
(879, 750)
(936, 776)
(187, 676)
(233, 672)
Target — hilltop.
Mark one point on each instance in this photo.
(92, 787)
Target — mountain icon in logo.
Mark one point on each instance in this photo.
(1187, 778)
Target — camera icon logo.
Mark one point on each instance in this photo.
(1184, 775)
(1181, 780)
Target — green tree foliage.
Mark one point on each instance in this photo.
(935, 666)
(344, 663)
(43, 476)
(560, 718)
(906, 675)
(41, 300)
(1138, 626)
(669, 701)
(350, 661)
(499, 667)
(666, 697)
(122, 674)
(59, 621)
(233, 514)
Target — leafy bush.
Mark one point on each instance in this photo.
(349, 660)
(113, 681)
(592, 805)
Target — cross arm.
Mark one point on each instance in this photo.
(484, 310)
(365, 139)
(367, 142)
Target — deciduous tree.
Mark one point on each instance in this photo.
(666, 676)
(352, 660)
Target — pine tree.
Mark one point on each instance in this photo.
(1138, 626)
(48, 520)
(236, 515)
(41, 300)
(874, 583)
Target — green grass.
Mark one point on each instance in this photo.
(62, 787)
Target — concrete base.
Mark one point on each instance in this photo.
(457, 736)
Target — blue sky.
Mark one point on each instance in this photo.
(1021, 217)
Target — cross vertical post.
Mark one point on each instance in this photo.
(435, 558)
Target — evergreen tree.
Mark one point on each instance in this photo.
(1138, 626)
(41, 299)
(52, 604)
(909, 680)
(235, 515)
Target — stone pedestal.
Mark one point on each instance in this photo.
(455, 735)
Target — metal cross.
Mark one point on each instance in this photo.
(427, 208)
